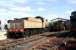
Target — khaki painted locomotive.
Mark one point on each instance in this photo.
(28, 26)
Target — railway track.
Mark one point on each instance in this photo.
(35, 43)
(10, 44)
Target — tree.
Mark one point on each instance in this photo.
(5, 26)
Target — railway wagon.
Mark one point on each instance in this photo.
(73, 21)
(28, 26)
(59, 24)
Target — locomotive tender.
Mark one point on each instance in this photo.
(28, 26)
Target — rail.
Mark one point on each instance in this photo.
(13, 44)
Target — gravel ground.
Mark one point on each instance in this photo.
(34, 43)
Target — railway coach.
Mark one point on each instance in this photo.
(28, 26)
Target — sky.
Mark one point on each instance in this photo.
(48, 9)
